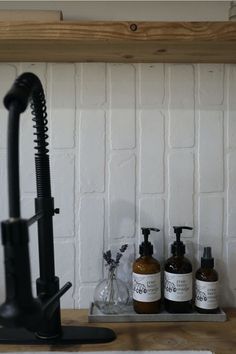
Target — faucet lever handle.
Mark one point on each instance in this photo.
(51, 305)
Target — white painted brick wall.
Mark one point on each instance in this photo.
(211, 224)
(61, 102)
(62, 164)
(211, 162)
(122, 195)
(122, 105)
(211, 84)
(151, 151)
(231, 141)
(92, 151)
(91, 231)
(151, 84)
(92, 84)
(131, 145)
(180, 192)
(181, 105)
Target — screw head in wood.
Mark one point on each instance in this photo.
(133, 27)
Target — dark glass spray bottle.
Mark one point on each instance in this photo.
(206, 285)
(178, 277)
(146, 278)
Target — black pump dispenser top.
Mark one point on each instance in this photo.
(178, 247)
(146, 248)
(207, 261)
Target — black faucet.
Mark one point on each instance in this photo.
(33, 320)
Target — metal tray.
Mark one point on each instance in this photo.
(95, 315)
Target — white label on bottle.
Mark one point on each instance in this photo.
(146, 287)
(178, 287)
(206, 294)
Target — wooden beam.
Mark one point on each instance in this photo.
(64, 41)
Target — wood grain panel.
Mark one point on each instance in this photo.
(66, 41)
(219, 338)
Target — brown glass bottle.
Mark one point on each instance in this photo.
(178, 278)
(146, 279)
(206, 285)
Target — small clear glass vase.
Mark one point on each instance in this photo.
(111, 295)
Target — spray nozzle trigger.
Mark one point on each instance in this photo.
(207, 261)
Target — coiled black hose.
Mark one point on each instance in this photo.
(39, 112)
(38, 106)
(27, 88)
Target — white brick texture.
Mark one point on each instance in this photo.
(92, 151)
(62, 167)
(122, 105)
(152, 151)
(91, 236)
(211, 84)
(211, 163)
(211, 224)
(65, 269)
(122, 195)
(152, 89)
(85, 296)
(131, 146)
(181, 173)
(181, 105)
(232, 107)
(230, 281)
(62, 104)
(231, 212)
(231, 215)
(92, 85)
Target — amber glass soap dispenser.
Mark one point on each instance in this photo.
(178, 277)
(146, 278)
(206, 285)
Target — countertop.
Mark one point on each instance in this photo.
(218, 337)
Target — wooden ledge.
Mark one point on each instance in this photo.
(66, 41)
(216, 337)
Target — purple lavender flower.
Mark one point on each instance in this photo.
(113, 263)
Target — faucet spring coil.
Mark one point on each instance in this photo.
(43, 182)
(39, 112)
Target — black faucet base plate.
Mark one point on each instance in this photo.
(70, 335)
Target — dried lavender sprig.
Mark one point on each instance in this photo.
(123, 248)
(110, 261)
(107, 256)
(118, 257)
